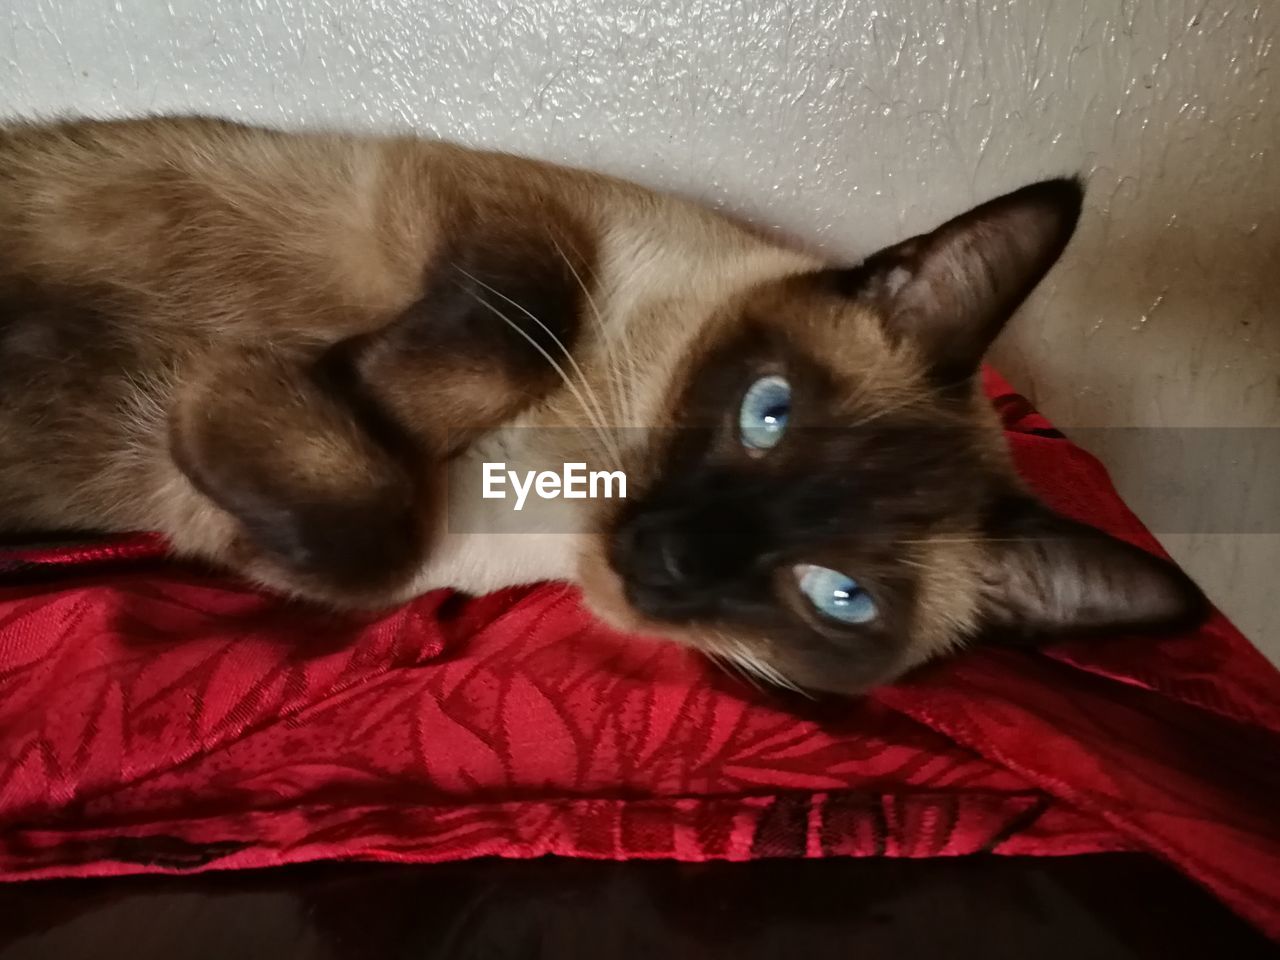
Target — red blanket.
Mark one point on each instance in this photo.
(153, 719)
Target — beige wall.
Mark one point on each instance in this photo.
(846, 121)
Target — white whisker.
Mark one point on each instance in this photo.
(736, 652)
(910, 400)
(607, 345)
(596, 418)
(733, 668)
(927, 540)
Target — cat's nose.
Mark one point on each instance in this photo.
(649, 552)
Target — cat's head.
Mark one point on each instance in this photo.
(833, 502)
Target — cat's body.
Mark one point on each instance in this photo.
(299, 242)
(282, 350)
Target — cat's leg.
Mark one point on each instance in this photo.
(327, 468)
(331, 460)
(311, 495)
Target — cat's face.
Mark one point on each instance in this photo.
(832, 503)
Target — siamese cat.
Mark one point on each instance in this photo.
(288, 353)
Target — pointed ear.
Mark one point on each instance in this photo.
(1051, 577)
(951, 291)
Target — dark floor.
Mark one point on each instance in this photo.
(1098, 907)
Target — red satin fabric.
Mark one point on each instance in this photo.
(153, 719)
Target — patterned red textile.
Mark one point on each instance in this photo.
(155, 719)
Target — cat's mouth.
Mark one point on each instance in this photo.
(674, 576)
(633, 577)
(636, 579)
(652, 567)
(612, 594)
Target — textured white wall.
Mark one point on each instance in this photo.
(847, 122)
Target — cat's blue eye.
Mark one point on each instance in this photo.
(834, 595)
(762, 418)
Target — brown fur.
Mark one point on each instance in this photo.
(283, 351)
(147, 266)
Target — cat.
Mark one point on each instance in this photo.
(288, 353)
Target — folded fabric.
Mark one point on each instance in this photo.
(156, 719)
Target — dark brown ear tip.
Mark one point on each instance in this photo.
(1193, 607)
(1178, 603)
(1181, 605)
(1062, 195)
(1066, 193)
(1071, 579)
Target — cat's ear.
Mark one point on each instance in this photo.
(952, 290)
(1047, 576)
